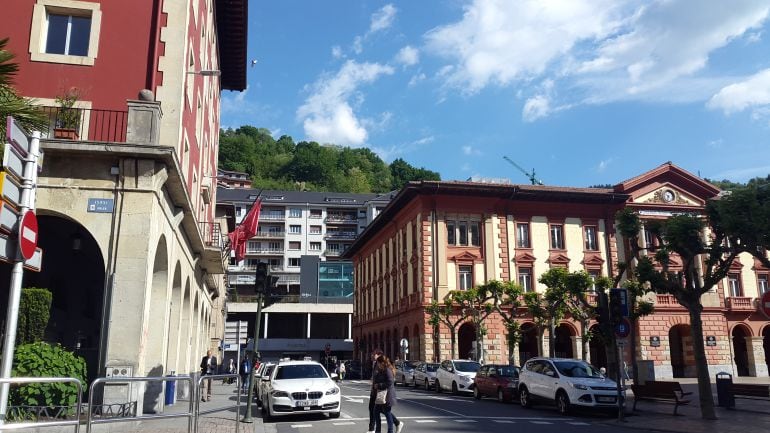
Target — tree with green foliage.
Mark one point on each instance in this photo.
(739, 223)
(46, 360)
(508, 301)
(34, 313)
(552, 306)
(448, 313)
(476, 304)
(402, 173)
(22, 109)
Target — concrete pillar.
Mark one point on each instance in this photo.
(756, 352)
(577, 346)
(267, 321)
(143, 122)
(545, 344)
(514, 356)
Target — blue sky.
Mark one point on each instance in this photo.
(584, 91)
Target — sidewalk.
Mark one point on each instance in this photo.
(748, 416)
(222, 396)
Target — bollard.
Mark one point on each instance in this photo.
(170, 390)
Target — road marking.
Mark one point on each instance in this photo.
(504, 421)
(435, 408)
(423, 421)
(578, 423)
(465, 420)
(301, 425)
(344, 423)
(541, 422)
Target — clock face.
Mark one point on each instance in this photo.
(668, 196)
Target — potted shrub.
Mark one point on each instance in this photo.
(67, 118)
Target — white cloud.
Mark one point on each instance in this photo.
(743, 174)
(715, 144)
(408, 56)
(753, 37)
(470, 150)
(602, 50)
(327, 114)
(358, 45)
(234, 103)
(603, 164)
(390, 153)
(383, 18)
(416, 79)
(337, 52)
(752, 92)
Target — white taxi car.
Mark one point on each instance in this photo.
(300, 387)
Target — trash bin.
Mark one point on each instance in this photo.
(170, 390)
(724, 393)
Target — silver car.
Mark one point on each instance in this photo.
(425, 374)
(404, 372)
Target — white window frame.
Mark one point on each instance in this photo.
(39, 30)
(292, 260)
(522, 236)
(525, 278)
(314, 246)
(763, 283)
(591, 238)
(295, 212)
(557, 236)
(734, 284)
(298, 228)
(464, 277)
(312, 230)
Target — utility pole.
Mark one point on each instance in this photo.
(260, 287)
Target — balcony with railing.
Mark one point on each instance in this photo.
(264, 250)
(341, 218)
(86, 124)
(347, 235)
(665, 300)
(740, 303)
(332, 253)
(270, 234)
(272, 216)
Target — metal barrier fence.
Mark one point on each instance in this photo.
(199, 412)
(190, 414)
(37, 424)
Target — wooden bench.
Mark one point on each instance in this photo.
(666, 392)
(677, 386)
(750, 391)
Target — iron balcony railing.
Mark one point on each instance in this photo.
(86, 124)
(212, 234)
(269, 234)
(340, 235)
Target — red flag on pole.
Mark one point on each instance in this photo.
(245, 231)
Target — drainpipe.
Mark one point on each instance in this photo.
(152, 72)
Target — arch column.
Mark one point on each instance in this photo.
(577, 347)
(756, 351)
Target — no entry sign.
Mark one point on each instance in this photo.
(28, 235)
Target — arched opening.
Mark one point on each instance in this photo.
(766, 345)
(174, 323)
(466, 336)
(597, 348)
(417, 352)
(154, 355)
(740, 349)
(563, 341)
(185, 327)
(73, 270)
(528, 344)
(682, 357)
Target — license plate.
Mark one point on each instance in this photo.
(303, 403)
(605, 399)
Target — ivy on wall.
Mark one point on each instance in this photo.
(34, 312)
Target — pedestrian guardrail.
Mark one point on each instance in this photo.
(190, 414)
(37, 424)
(199, 412)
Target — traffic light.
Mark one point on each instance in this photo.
(618, 305)
(260, 280)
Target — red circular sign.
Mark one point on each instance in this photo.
(28, 235)
(764, 304)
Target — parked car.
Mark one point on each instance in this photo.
(497, 380)
(425, 374)
(456, 375)
(404, 372)
(261, 376)
(567, 383)
(300, 387)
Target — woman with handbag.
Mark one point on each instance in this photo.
(383, 383)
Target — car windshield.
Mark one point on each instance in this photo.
(408, 365)
(467, 366)
(508, 371)
(431, 367)
(300, 372)
(577, 369)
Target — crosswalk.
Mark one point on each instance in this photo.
(467, 420)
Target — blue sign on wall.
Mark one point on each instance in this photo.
(101, 205)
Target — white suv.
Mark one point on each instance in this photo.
(300, 387)
(456, 375)
(566, 382)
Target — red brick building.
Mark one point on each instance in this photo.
(440, 236)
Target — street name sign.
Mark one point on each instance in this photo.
(16, 136)
(13, 162)
(9, 218)
(10, 190)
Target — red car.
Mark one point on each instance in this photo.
(497, 380)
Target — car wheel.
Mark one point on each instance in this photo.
(562, 403)
(500, 395)
(334, 414)
(427, 385)
(438, 386)
(454, 388)
(524, 397)
(476, 393)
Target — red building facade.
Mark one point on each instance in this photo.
(440, 236)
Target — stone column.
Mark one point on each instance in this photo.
(756, 352)
(514, 356)
(577, 346)
(143, 122)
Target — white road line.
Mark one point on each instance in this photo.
(541, 422)
(435, 408)
(344, 423)
(504, 421)
(301, 425)
(578, 423)
(465, 420)
(424, 421)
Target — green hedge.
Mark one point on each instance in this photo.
(34, 312)
(45, 360)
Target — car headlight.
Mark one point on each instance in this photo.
(579, 386)
(277, 394)
(332, 391)
(466, 379)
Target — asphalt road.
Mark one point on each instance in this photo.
(427, 411)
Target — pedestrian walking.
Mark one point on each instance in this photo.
(374, 416)
(383, 381)
(231, 369)
(244, 371)
(208, 367)
(342, 371)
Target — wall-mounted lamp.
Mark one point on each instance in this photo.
(207, 72)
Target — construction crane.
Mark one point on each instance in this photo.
(530, 176)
